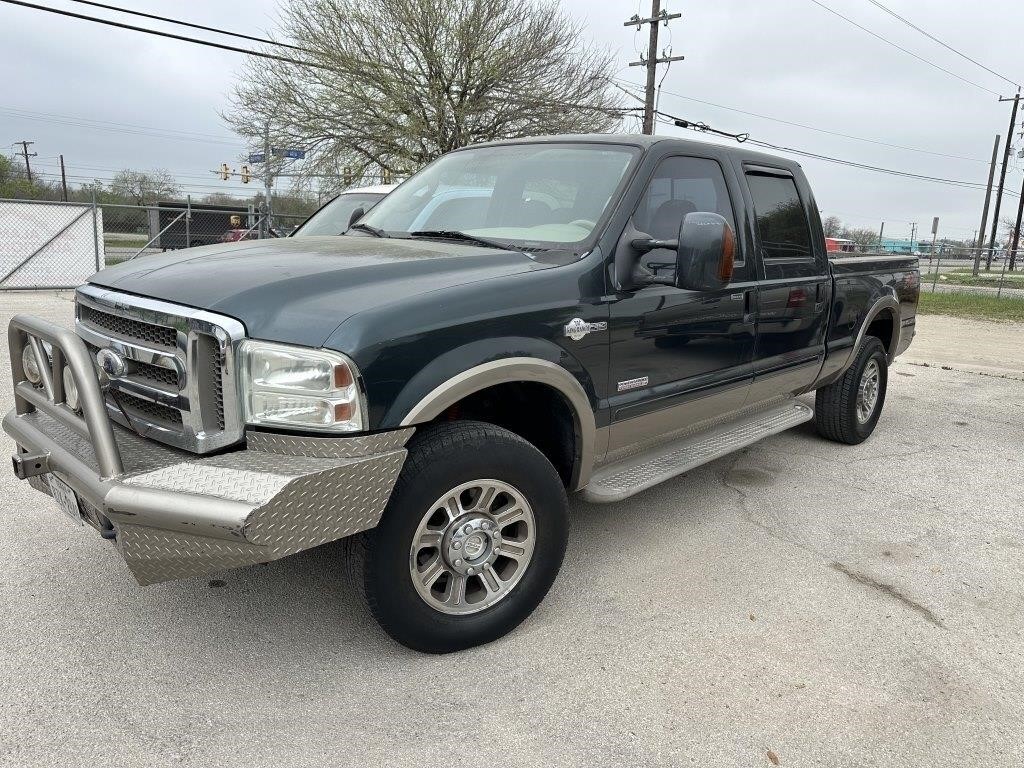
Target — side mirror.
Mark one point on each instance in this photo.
(357, 214)
(705, 252)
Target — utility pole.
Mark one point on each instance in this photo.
(652, 60)
(25, 154)
(980, 240)
(881, 231)
(1002, 178)
(63, 181)
(913, 231)
(1016, 229)
(268, 182)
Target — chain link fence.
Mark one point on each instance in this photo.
(46, 244)
(133, 231)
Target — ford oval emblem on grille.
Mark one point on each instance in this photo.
(110, 362)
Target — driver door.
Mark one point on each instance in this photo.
(679, 357)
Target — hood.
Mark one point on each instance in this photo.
(299, 289)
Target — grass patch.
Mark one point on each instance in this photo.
(970, 305)
(125, 241)
(964, 277)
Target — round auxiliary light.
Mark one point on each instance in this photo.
(70, 389)
(31, 365)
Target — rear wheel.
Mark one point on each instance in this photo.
(471, 540)
(847, 410)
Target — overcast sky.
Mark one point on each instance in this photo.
(109, 99)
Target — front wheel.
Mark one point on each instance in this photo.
(847, 410)
(471, 540)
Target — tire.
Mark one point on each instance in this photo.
(510, 565)
(839, 410)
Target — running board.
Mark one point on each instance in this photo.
(642, 471)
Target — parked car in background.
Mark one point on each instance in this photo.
(334, 217)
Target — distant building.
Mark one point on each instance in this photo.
(840, 245)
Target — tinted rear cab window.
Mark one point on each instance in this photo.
(781, 218)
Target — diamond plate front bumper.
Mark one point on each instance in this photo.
(175, 514)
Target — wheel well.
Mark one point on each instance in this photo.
(536, 412)
(884, 328)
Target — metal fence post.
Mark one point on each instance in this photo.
(96, 232)
(938, 263)
(188, 221)
(1002, 276)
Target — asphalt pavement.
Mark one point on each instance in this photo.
(799, 603)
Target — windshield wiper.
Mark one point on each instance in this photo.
(369, 228)
(454, 234)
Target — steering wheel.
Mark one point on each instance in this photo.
(585, 223)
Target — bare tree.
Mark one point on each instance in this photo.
(833, 226)
(861, 236)
(144, 187)
(388, 85)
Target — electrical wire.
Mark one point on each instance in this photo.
(810, 127)
(191, 25)
(106, 125)
(887, 41)
(745, 138)
(171, 35)
(948, 47)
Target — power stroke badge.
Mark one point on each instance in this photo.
(577, 328)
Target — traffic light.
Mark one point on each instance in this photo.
(225, 172)
(246, 175)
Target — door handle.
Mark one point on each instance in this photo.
(748, 307)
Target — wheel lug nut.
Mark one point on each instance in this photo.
(456, 545)
(471, 571)
(486, 525)
(458, 562)
(467, 528)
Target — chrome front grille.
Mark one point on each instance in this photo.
(178, 379)
(127, 329)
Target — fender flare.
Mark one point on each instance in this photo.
(884, 303)
(518, 369)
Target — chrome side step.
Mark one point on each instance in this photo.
(640, 472)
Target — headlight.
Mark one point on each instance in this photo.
(299, 387)
(31, 365)
(70, 389)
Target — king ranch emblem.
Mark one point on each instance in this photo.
(577, 328)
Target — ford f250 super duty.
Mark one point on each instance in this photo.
(518, 321)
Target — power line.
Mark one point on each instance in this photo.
(932, 37)
(181, 23)
(106, 125)
(816, 129)
(171, 35)
(745, 138)
(887, 41)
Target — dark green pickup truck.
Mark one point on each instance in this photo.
(516, 322)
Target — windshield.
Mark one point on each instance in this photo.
(526, 195)
(333, 218)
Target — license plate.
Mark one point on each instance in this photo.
(65, 497)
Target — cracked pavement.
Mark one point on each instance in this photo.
(837, 606)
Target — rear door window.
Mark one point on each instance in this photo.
(781, 219)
